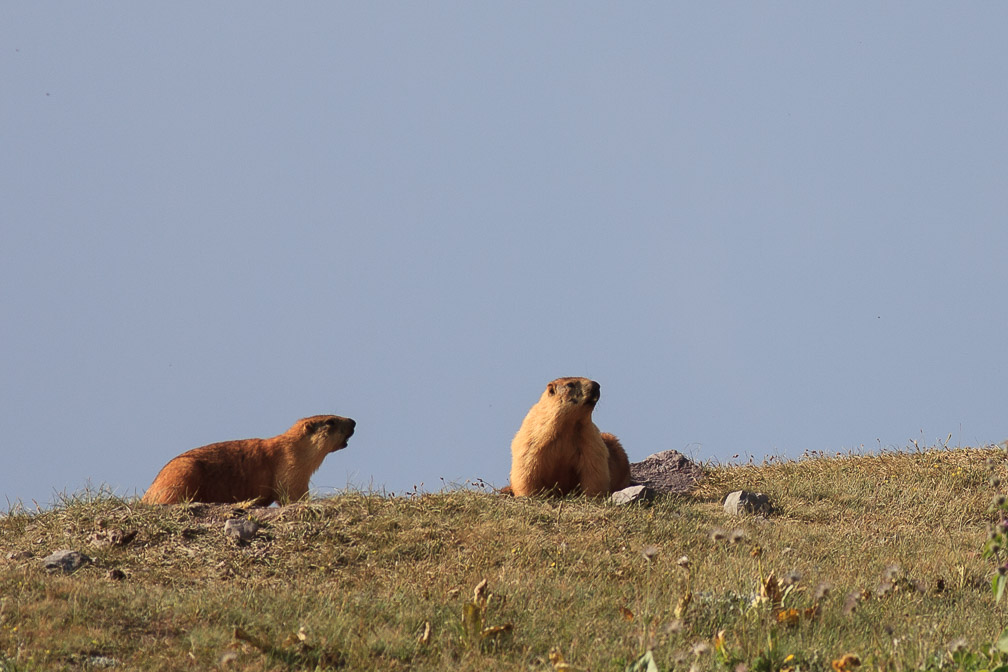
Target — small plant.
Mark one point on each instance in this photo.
(295, 650)
(993, 659)
(997, 537)
(474, 618)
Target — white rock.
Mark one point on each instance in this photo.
(635, 493)
(744, 501)
(242, 528)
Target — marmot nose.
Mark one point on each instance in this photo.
(596, 390)
(352, 426)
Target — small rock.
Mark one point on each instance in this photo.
(241, 528)
(635, 493)
(102, 661)
(66, 561)
(744, 501)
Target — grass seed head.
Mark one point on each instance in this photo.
(851, 602)
(822, 591)
(649, 552)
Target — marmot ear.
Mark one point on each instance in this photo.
(551, 388)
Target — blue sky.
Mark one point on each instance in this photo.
(764, 228)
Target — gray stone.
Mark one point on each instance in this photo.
(66, 561)
(744, 501)
(102, 661)
(241, 528)
(635, 493)
(666, 472)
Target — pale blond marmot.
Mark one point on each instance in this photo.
(559, 450)
(259, 470)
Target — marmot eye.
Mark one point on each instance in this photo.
(571, 385)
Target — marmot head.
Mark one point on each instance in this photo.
(573, 393)
(328, 432)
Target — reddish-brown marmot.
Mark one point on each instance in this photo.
(263, 470)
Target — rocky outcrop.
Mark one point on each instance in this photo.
(666, 472)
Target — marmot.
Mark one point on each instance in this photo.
(263, 470)
(559, 450)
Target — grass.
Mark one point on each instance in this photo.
(874, 556)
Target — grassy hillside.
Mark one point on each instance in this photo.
(875, 556)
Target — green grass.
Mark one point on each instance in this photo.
(877, 556)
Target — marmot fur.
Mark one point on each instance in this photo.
(559, 450)
(263, 470)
